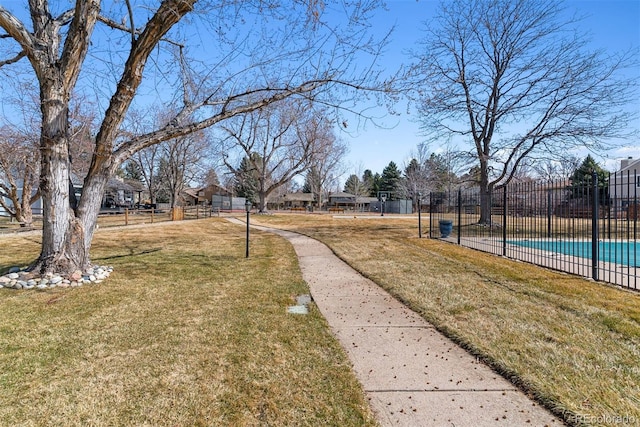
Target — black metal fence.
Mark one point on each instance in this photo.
(589, 229)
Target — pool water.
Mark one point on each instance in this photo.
(626, 253)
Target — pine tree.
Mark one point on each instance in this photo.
(581, 180)
(247, 180)
(353, 185)
(391, 180)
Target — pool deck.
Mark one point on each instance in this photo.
(617, 274)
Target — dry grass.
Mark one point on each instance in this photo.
(572, 343)
(185, 332)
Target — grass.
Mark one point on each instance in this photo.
(572, 343)
(185, 332)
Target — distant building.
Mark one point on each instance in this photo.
(624, 188)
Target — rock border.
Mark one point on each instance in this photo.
(18, 279)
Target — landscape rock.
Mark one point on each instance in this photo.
(19, 279)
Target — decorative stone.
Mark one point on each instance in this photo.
(14, 270)
(19, 279)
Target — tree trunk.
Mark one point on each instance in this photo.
(262, 205)
(485, 194)
(66, 233)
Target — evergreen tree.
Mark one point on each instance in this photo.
(353, 185)
(311, 180)
(313, 184)
(581, 180)
(367, 181)
(132, 171)
(247, 179)
(375, 185)
(391, 180)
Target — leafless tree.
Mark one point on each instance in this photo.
(560, 168)
(326, 163)
(19, 164)
(228, 58)
(280, 141)
(515, 79)
(179, 164)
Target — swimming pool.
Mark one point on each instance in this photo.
(625, 253)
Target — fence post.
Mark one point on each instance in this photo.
(594, 227)
(504, 220)
(152, 209)
(430, 213)
(459, 214)
(126, 216)
(549, 214)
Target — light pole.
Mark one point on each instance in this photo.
(247, 206)
(383, 198)
(419, 216)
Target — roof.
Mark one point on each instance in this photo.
(629, 165)
(193, 192)
(342, 195)
(298, 197)
(116, 184)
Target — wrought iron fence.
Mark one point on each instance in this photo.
(589, 229)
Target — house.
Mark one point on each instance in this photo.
(624, 188)
(120, 193)
(294, 201)
(342, 200)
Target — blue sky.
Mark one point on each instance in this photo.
(613, 25)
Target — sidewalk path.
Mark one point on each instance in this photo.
(412, 374)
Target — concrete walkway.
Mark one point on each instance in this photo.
(412, 374)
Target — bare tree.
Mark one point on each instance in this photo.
(250, 55)
(561, 168)
(325, 166)
(180, 163)
(514, 78)
(280, 141)
(19, 164)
